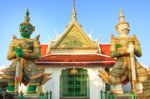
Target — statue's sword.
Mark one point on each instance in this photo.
(17, 76)
(133, 70)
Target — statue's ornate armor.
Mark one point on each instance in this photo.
(31, 51)
(29, 73)
(121, 72)
(146, 90)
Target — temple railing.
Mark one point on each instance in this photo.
(47, 95)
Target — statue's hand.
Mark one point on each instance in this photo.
(130, 48)
(19, 52)
(104, 76)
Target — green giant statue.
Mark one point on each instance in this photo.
(23, 52)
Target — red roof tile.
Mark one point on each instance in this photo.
(43, 49)
(77, 59)
(105, 49)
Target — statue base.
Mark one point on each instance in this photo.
(30, 96)
(127, 96)
(108, 95)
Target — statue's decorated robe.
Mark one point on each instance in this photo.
(146, 89)
(121, 72)
(28, 72)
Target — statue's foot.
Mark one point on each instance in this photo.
(117, 88)
(32, 89)
(139, 88)
(117, 91)
(11, 89)
(104, 76)
(139, 92)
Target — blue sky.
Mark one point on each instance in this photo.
(97, 17)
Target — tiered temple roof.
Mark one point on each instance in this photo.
(77, 59)
(75, 47)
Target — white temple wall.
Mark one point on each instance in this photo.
(53, 84)
(95, 83)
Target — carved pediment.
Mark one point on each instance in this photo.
(75, 38)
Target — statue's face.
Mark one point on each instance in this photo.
(123, 29)
(26, 31)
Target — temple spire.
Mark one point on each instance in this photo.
(121, 16)
(27, 12)
(74, 17)
(27, 18)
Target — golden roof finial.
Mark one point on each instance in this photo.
(74, 11)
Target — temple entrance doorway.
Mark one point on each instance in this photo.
(74, 84)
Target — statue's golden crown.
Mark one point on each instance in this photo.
(27, 22)
(121, 19)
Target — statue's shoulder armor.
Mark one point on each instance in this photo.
(134, 38)
(37, 37)
(14, 41)
(114, 39)
(36, 41)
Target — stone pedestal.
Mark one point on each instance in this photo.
(108, 95)
(33, 96)
(126, 96)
